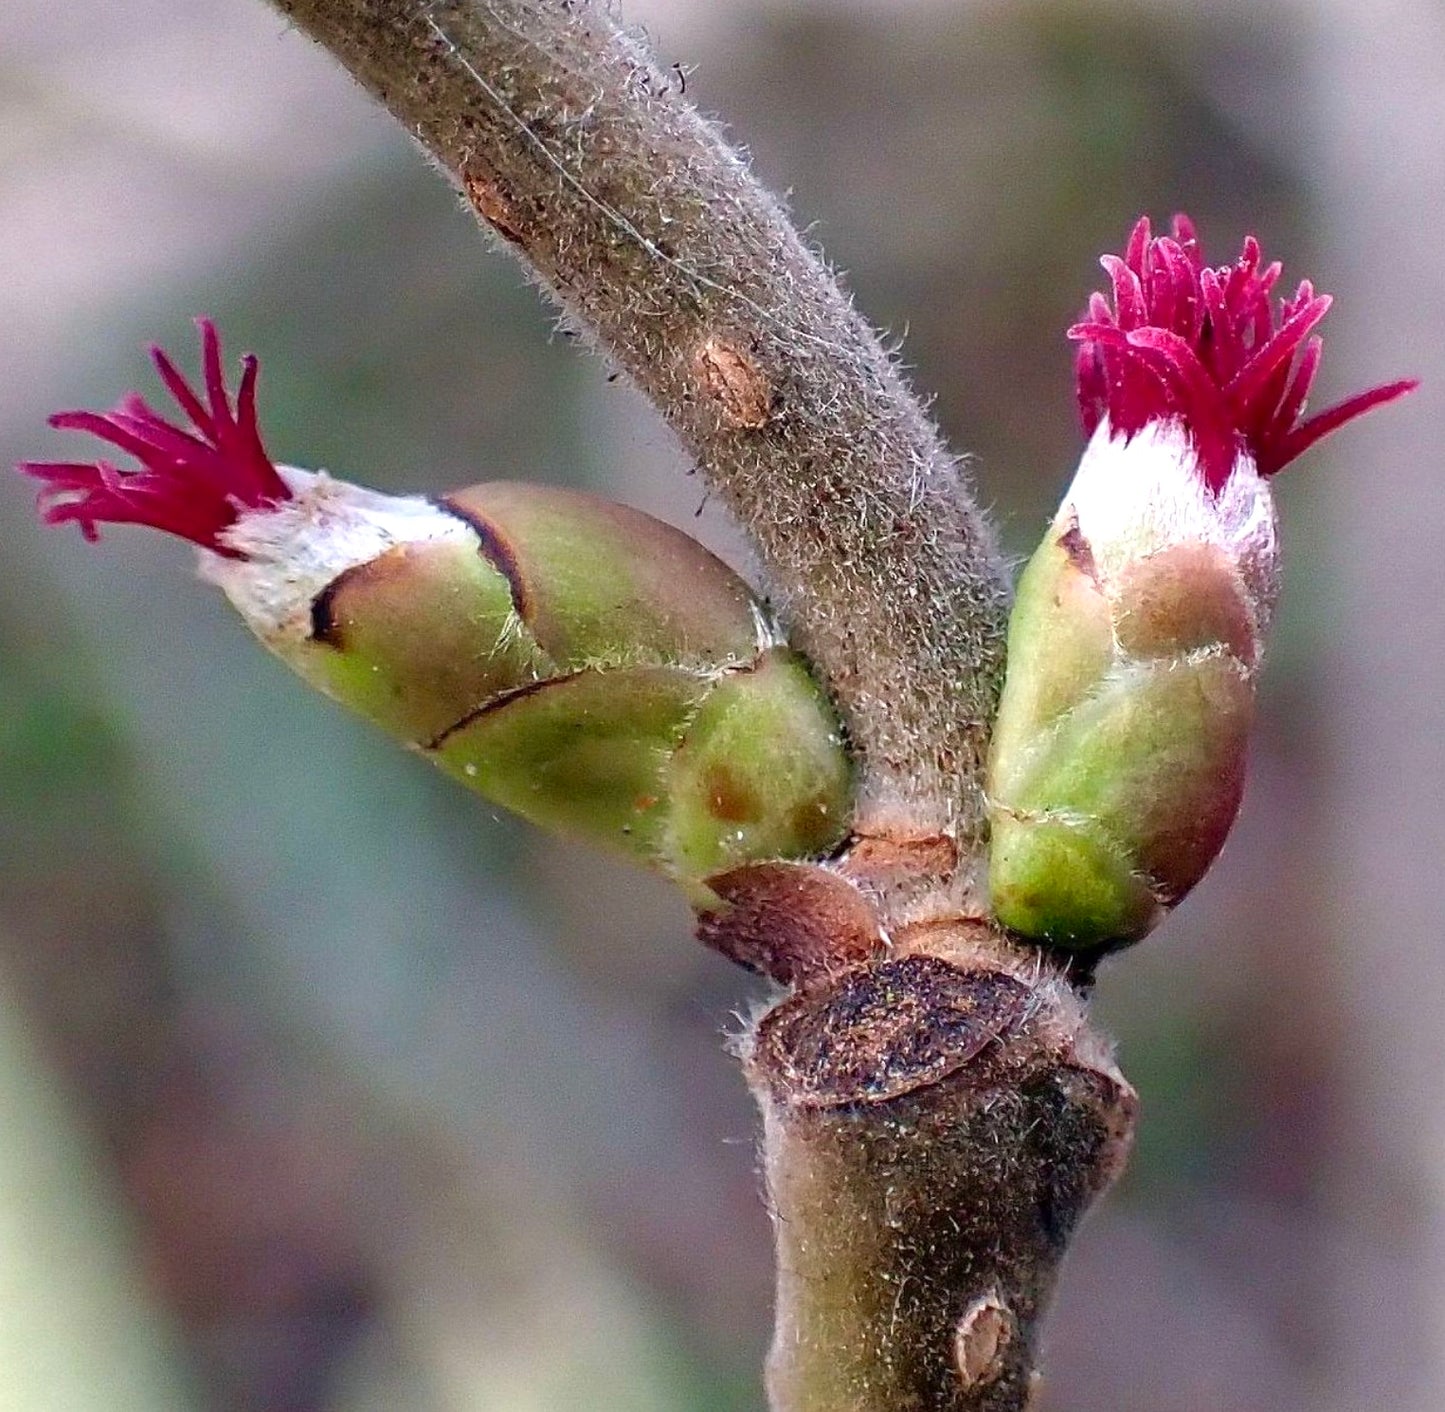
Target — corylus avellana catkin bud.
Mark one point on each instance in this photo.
(586, 665)
(1118, 753)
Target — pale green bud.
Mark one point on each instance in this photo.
(1118, 754)
(583, 664)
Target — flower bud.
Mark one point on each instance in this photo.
(581, 663)
(1118, 753)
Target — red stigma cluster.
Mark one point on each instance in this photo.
(192, 483)
(1184, 341)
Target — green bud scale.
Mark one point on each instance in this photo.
(581, 663)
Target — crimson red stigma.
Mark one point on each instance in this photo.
(1207, 347)
(192, 482)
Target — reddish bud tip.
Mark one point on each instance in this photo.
(1185, 341)
(192, 482)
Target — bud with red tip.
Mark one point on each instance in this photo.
(579, 662)
(1138, 632)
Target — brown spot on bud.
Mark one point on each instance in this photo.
(796, 922)
(1186, 597)
(981, 1341)
(489, 202)
(733, 382)
(728, 797)
(1079, 550)
(329, 613)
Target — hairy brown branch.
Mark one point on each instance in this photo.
(583, 157)
(937, 1117)
(934, 1129)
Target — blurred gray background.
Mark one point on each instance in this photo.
(325, 1088)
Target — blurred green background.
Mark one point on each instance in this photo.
(326, 1089)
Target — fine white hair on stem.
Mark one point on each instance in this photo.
(578, 152)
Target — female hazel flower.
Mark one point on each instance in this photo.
(1118, 753)
(581, 663)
